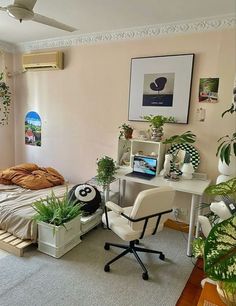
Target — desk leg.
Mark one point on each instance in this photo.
(199, 211)
(122, 192)
(194, 204)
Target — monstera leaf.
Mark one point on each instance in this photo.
(220, 251)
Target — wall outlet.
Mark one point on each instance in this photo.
(180, 213)
(176, 212)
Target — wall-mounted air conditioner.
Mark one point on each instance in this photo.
(43, 61)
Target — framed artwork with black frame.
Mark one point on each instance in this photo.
(161, 85)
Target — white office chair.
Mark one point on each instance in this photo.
(135, 222)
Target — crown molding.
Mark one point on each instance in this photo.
(187, 26)
(7, 47)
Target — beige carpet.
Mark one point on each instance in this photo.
(78, 277)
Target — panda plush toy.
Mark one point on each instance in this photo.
(86, 194)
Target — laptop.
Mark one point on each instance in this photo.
(144, 167)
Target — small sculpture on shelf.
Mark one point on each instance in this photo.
(167, 164)
(187, 168)
(125, 158)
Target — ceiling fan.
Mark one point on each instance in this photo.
(23, 10)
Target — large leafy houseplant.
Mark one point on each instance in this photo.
(219, 248)
(5, 101)
(227, 190)
(219, 254)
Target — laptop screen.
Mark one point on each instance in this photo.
(143, 164)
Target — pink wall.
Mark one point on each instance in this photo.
(7, 141)
(82, 106)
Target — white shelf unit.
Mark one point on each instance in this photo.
(141, 147)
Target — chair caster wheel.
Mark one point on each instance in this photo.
(107, 268)
(106, 246)
(162, 257)
(145, 276)
(136, 241)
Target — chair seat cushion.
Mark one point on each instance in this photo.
(120, 225)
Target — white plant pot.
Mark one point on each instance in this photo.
(58, 240)
(228, 170)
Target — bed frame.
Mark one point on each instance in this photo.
(12, 244)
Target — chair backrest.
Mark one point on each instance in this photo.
(149, 202)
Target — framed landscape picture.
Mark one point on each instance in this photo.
(161, 85)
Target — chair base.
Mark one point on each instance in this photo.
(131, 248)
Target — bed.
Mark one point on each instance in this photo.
(16, 209)
(20, 186)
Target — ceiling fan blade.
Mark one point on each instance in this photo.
(28, 4)
(52, 23)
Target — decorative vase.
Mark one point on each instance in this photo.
(157, 134)
(187, 170)
(226, 171)
(128, 134)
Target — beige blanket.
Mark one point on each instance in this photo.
(16, 210)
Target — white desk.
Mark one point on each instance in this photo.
(195, 187)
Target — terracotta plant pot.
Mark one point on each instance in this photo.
(128, 134)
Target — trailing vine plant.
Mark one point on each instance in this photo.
(5, 101)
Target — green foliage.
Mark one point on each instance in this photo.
(198, 247)
(158, 121)
(106, 169)
(227, 189)
(220, 251)
(5, 101)
(226, 147)
(186, 137)
(125, 130)
(55, 210)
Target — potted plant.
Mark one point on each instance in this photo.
(219, 248)
(126, 131)
(156, 124)
(186, 137)
(219, 255)
(106, 170)
(58, 224)
(227, 148)
(5, 101)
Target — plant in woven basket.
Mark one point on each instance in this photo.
(55, 210)
(5, 101)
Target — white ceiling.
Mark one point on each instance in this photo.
(91, 16)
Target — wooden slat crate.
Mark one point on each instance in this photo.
(12, 244)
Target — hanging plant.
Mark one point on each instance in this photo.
(5, 101)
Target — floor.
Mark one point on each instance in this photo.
(192, 290)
